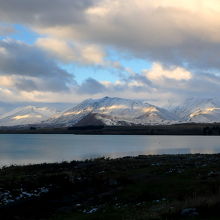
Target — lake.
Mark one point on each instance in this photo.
(38, 148)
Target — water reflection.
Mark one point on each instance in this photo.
(38, 148)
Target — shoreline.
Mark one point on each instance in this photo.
(141, 187)
(206, 129)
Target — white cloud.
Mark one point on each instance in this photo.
(158, 72)
(181, 33)
(57, 47)
(69, 52)
(160, 30)
(7, 81)
(93, 54)
(181, 38)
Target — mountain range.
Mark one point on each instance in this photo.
(115, 112)
(26, 115)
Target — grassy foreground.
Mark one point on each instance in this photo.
(144, 187)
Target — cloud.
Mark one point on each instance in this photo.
(173, 33)
(28, 68)
(6, 30)
(91, 86)
(135, 86)
(180, 38)
(158, 72)
(184, 34)
(69, 52)
(43, 12)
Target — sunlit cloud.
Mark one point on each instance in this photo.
(180, 40)
(158, 72)
(69, 52)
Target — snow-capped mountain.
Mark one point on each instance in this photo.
(112, 111)
(26, 115)
(115, 111)
(200, 110)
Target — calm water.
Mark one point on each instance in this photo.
(36, 148)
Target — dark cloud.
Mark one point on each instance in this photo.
(44, 12)
(172, 33)
(91, 86)
(139, 78)
(25, 85)
(46, 84)
(33, 68)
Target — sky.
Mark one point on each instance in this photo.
(65, 51)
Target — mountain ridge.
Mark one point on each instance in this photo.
(114, 111)
(26, 115)
(201, 110)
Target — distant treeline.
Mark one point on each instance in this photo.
(176, 129)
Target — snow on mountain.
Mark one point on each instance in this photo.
(200, 110)
(117, 112)
(26, 115)
(113, 111)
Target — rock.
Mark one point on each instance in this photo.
(213, 174)
(189, 212)
(93, 210)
